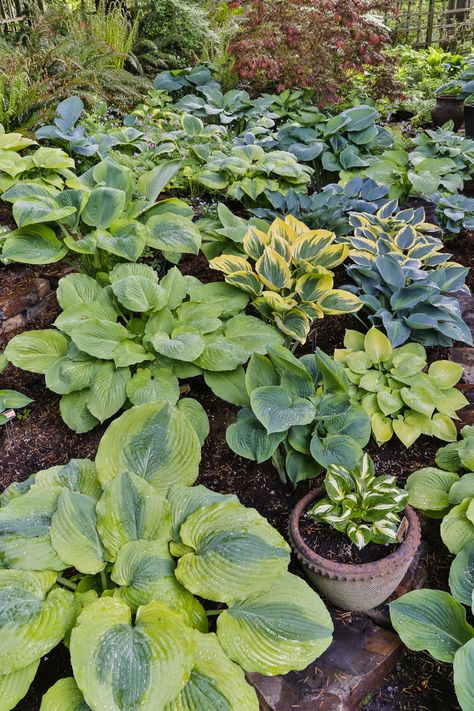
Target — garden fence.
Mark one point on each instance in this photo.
(446, 23)
(15, 12)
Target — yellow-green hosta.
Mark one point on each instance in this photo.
(288, 272)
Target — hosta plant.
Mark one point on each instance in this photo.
(363, 505)
(130, 340)
(106, 216)
(45, 167)
(455, 213)
(288, 272)
(393, 387)
(108, 558)
(435, 621)
(247, 173)
(447, 491)
(297, 412)
(225, 231)
(178, 79)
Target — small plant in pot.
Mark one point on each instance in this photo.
(366, 536)
(450, 99)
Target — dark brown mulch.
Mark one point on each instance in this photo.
(462, 249)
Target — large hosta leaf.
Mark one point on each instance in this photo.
(429, 488)
(461, 575)
(137, 293)
(14, 686)
(149, 385)
(34, 244)
(251, 334)
(34, 617)
(463, 677)
(197, 417)
(36, 350)
(173, 233)
(74, 534)
(65, 694)
(154, 441)
(248, 438)
(99, 338)
(276, 631)
(235, 552)
(76, 290)
(221, 354)
(77, 475)
(181, 345)
(216, 683)
(431, 620)
(131, 509)
(75, 413)
(24, 531)
(120, 666)
(277, 411)
(103, 207)
(108, 391)
(184, 501)
(228, 385)
(457, 527)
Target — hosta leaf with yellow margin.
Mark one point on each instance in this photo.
(131, 509)
(14, 686)
(254, 243)
(144, 570)
(155, 441)
(271, 301)
(338, 301)
(276, 631)
(34, 617)
(283, 229)
(65, 694)
(230, 263)
(298, 228)
(247, 281)
(311, 245)
(216, 683)
(273, 270)
(312, 286)
(294, 323)
(120, 665)
(334, 255)
(235, 552)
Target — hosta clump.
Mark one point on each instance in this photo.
(224, 232)
(248, 173)
(130, 340)
(45, 167)
(287, 271)
(297, 412)
(108, 558)
(107, 215)
(393, 387)
(404, 280)
(447, 491)
(364, 506)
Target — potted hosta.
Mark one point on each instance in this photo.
(450, 99)
(354, 536)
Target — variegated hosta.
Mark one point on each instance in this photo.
(296, 411)
(288, 273)
(130, 341)
(447, 491)
(142, 542)
(361, 504)
(393, 387)
(403, 234)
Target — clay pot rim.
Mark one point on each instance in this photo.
(350, 571)
(449, 97)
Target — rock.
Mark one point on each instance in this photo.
(18, 302)
(361, 654)
(47, 307)
(9, 325)
(465, 357)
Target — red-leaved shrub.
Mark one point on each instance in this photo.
(314, 44)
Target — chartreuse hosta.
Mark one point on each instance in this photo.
(108, 558)
(104, 217)
(128, 342)
(297, 411)
(393, 387)
(287, 271)
(364, 506)
(435, 621)
(45, 167)
(447, 491)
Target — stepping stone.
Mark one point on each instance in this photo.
(361, 655)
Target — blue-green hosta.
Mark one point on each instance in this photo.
(108, 556)
(130, 341)
(405, 281)
(104, 217)
(296, 411)
(364, 506)
(435, 621)
(447, 491)
(45, 167)
(247, 173)
(288, 272)
(393, 388)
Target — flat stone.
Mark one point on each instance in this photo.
(466, 302)
(361, 655)
(464, 356)
(47, 306)
(14, 323)
(18, 302)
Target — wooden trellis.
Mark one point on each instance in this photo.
(14, 12)
(446, 23)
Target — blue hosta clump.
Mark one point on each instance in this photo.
(455, 213)
(296, 411)
(393, 387)
(447, 491)
(363, 505)
(109, 556)
(129, 340)
(404, 280)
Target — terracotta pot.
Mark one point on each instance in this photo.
(448, 108)
(350, 586)
(469, 120)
